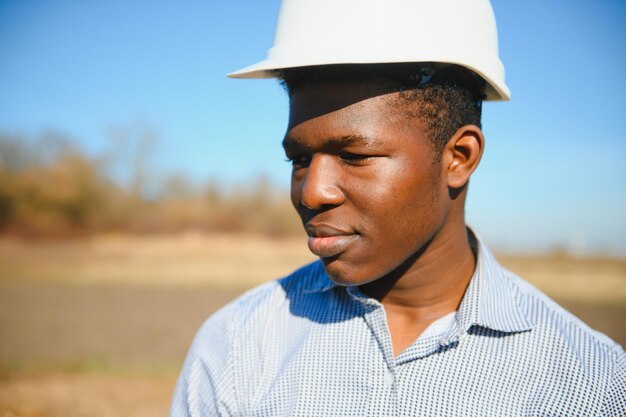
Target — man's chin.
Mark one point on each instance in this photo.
(343, 274)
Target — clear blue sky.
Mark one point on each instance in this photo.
(553, 173)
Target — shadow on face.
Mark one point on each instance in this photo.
(314, 99)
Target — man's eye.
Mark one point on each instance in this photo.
(353, 158)
(347, 156)
(299, 161)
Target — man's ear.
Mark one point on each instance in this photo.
(462, 155)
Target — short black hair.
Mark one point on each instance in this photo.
(443, 97)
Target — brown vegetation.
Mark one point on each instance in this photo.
(49, 187)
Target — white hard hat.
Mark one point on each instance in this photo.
(327, 32)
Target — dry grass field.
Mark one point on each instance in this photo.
(99, 327)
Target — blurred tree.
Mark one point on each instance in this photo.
(50, 187)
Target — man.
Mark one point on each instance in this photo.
(407, 312)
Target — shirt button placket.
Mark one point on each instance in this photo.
(383, 400)
(389, 379)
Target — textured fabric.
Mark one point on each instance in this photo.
(303, 346)
(439, 326)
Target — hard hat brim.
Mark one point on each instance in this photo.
(494, 91)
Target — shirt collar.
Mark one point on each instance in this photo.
(490, 300)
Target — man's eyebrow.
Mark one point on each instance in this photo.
(334, 142)
(351, 140)
(290, 143)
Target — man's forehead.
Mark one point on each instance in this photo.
(320, 97)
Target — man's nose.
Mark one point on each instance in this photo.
(320, 187)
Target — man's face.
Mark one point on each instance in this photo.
(365, 181)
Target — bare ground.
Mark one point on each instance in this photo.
(100, 328)
(84, 395)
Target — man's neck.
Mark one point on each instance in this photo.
(431, 287)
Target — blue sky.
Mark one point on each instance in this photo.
(552, 176)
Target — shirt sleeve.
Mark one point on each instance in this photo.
(205, 387)
(615, 399)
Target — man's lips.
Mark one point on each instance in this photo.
(326, 241)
